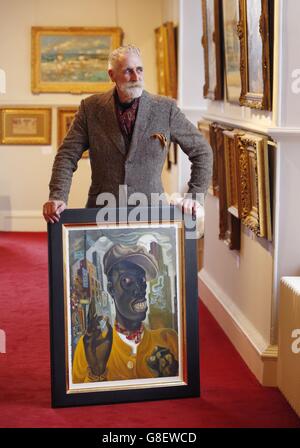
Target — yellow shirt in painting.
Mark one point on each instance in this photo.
(122, 363)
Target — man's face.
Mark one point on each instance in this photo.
(128, 75)
(128, 290)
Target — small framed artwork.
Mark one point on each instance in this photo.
(229, 225)
(254, 186)
(65, 117)
(212, 45)
(123, 307)
(166, 59)
(204, 128)
(25, 126)
(255, 31)
(232, 50)
(72, 60)
(231, 166)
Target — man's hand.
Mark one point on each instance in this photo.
(189, 206)
(163, 362)
(52, 210)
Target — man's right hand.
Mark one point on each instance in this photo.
(52, 210)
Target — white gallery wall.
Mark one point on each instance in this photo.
(25, 170)
(241, 288)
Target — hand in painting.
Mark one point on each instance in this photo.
(97, 342)
(163, 362)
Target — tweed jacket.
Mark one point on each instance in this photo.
(95, 127)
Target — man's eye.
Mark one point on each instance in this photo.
(126, 282)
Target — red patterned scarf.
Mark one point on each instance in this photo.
(126, 115)
(135, 336)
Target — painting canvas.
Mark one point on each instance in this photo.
(255, 49)
(65, 117)
(232, 49)
(256, 41)
(72, 59)
(212, 43)
(124, 311)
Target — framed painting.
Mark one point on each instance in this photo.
(72, 60)
(229, 225)
(166, 59)
(65, 117)
(232, 50)
(204, 128)
(212, 45)
(254, 184)
(123, 307)
(255, 34)
(25, 126)
(231, 166)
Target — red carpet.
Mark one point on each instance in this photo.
(231, 396)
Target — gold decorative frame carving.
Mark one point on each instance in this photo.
(262, 100)
(229, 225)
(60, 67)
(166, 59)
(231, 167)
(25, 125)
(204, 128)
(213, 92)
(65, 116)
(254, 187)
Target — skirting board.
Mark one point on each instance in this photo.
(262, 363)
(22, 221)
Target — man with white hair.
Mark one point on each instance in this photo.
(127, 131)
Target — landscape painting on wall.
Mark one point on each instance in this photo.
(72, 60)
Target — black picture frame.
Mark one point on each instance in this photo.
(87, 220)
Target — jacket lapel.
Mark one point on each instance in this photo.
(108, 118)
(141, 122)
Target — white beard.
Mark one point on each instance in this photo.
(132, 90)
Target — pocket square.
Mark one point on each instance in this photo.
(162, 138)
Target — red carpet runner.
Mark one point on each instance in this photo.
(231, 396)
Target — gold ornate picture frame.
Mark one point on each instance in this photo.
(204, 128)
(254, 187)
(72, 59)
(232, 171)
(231, 50)
(166, 59)
(25, 126)
(65, 117)
(212, 45)
(229, 225)
(255, 31)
